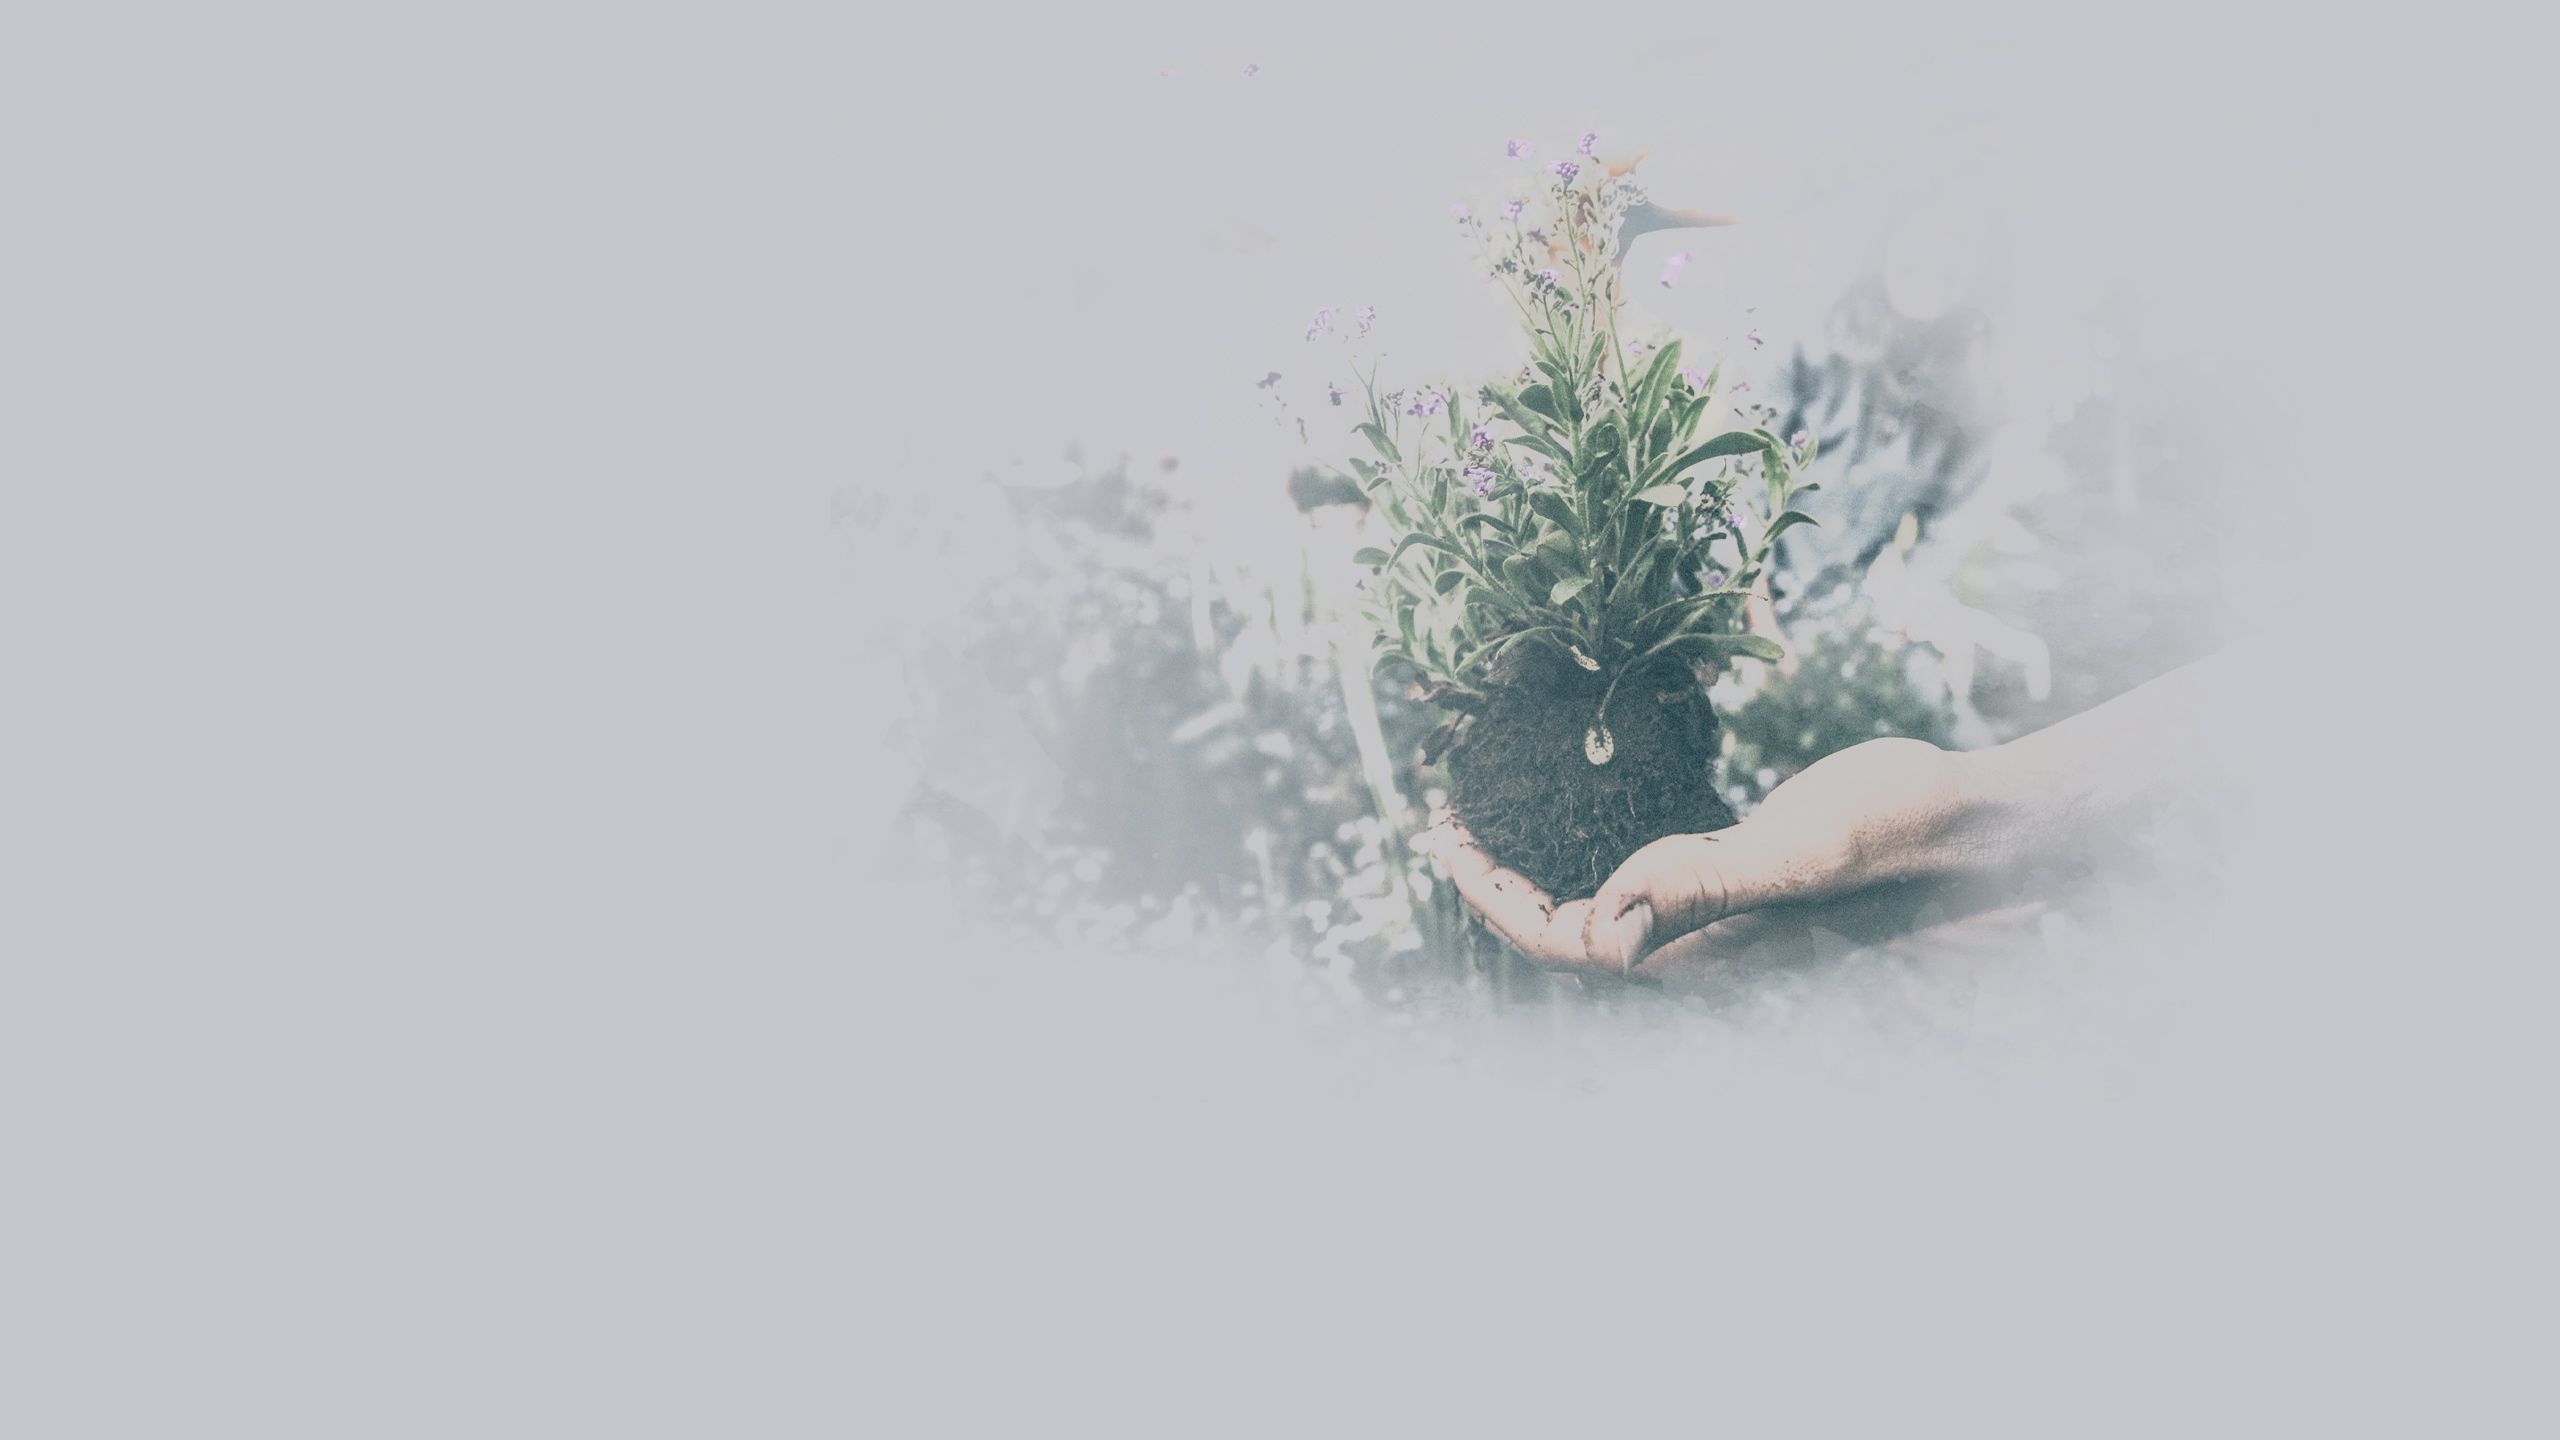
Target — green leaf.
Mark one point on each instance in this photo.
(1384, 446)
(1488, 520)
(1533, 427)
(1665, 360)
(1657, 441)
(1689, 411)
(1542, 400)
(1554, 507)
(1656, 379)
(1486, 655)
(1566, 589)
(1722, 643)
(1734, 442)
(1665, 496)
(1427, 541)
(1639, 575)
(1779, 526)
(1449, 580)
(1687, 610)
(1371, 556)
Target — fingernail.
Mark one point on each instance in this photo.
(1627, 933)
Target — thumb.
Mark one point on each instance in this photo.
(1682, 883)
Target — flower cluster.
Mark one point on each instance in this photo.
(1575, 506)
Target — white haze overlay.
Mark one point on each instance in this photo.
(451, 982)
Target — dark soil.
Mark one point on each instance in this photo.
(1522, 784)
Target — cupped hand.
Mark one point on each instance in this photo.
(1876, 813)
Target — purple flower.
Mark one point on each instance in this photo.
(1714, 578)
(1800, 439)
(1482, 479)
(1252, 70)
(1511, 209)
(1566, 170)
(1321, 323)
(1538, 233)
(1589, 139)
(1547, 276)
(1367, 315)
(1741, 385)
(1672, 266)
(1515, 149)
(1698, 379)
(1267, 381)
(1754, 338)
(1480, 439)
(1333, 393)
(1427, 401)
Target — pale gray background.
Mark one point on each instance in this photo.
(441, 992)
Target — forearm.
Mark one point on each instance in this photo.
(2074, 789)
(1872, 821)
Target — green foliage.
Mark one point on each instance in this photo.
(1577, 508)
(1852, 683)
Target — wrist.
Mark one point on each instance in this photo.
(1995, 812)
(1925, 815)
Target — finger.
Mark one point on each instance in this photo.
(1507, 900)
(1713, 948)
(1911, 923)
(1663, 891)
(1683, 883)
(1524, 915)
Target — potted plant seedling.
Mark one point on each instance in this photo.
(1571, 556)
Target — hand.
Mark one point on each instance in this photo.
(1872, 815)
